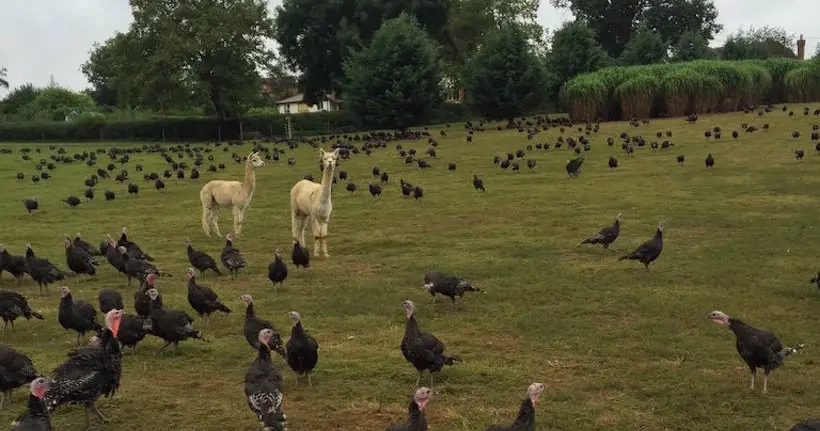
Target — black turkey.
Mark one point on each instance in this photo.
(573, 167)
(277, 270)
(109, 299)
(607, 235)
(78, 315)
(41, 270)
(300, 255)
(12, 306)
(263, 386)
(15, 265)
(759, 348)
(648, 251)
(136, 268)
(134, 250)
(254, 324)
(202, 298)
(478, 183)
(201, 260)
(78, 260)
(232, 257)
(809, 425)
(89, 372)
(424, 351)
(302, 349)
(36, 416)
(133, 329)
(449, 286)
(16, 369)
(142, 303)
(526, 414)
(172, 326)
(81, 244)
(415, 413)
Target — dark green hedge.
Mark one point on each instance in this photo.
(202, 128)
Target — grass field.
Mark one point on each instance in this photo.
(619, 348)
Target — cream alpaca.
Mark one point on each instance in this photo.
(311, 201)
(236, 195)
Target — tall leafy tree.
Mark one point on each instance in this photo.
(16, 101)
(55, 103)
(315, 36)
(110, 69)
(758, 43)
(614, 21)
(574, 51)
(217, 46)
(645, 47)
(505, 77)
(471, 20)
(691, 46)
(671, 19)
(395, 81)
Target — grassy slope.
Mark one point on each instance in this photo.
(619, 348)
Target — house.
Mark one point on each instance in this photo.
(297, 105)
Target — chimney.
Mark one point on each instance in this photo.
(801, 48)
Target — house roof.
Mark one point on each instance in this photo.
(299, 98)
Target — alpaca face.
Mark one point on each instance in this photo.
(329, 159)
(256, 161)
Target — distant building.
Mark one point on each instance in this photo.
(296, 105)
(801, 48)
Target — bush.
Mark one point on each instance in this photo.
(394, 82)
(175, 129)
(701, 86)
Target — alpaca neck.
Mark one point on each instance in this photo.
(327, 182)
(250, 178)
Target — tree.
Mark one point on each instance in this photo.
(673, 18)
(505, 77)
(691, 46)
(645, 47)
(4, 83)
(110, 70)
(55, 103)
(216, 47)
(18, 99)
(315, 36)
(758, 43)
(471, 20)
(574, 51)
(395, 81)
(614, 21)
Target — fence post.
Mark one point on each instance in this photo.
(219, 132)
(163, 133)
(101, 134)
(290, 129)
(270, 130)
(241, 132)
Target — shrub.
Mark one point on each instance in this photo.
(699, 86)
(172, 129)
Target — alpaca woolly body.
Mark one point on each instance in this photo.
(224, 194)
(311, 201)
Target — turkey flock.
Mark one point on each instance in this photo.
(94, 368)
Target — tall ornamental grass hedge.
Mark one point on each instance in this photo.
(702, 86)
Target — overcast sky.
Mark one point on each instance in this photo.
(41, 38)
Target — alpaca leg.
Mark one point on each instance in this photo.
(297, 227)
(215, 221)
(206, 220)
(237, 220)
(323, 233)
(316, 228)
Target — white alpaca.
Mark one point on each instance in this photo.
(236, 195)
(309, 200)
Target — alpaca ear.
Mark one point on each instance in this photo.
(336, 152)
(321, 152)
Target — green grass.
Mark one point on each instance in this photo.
(619, 348)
